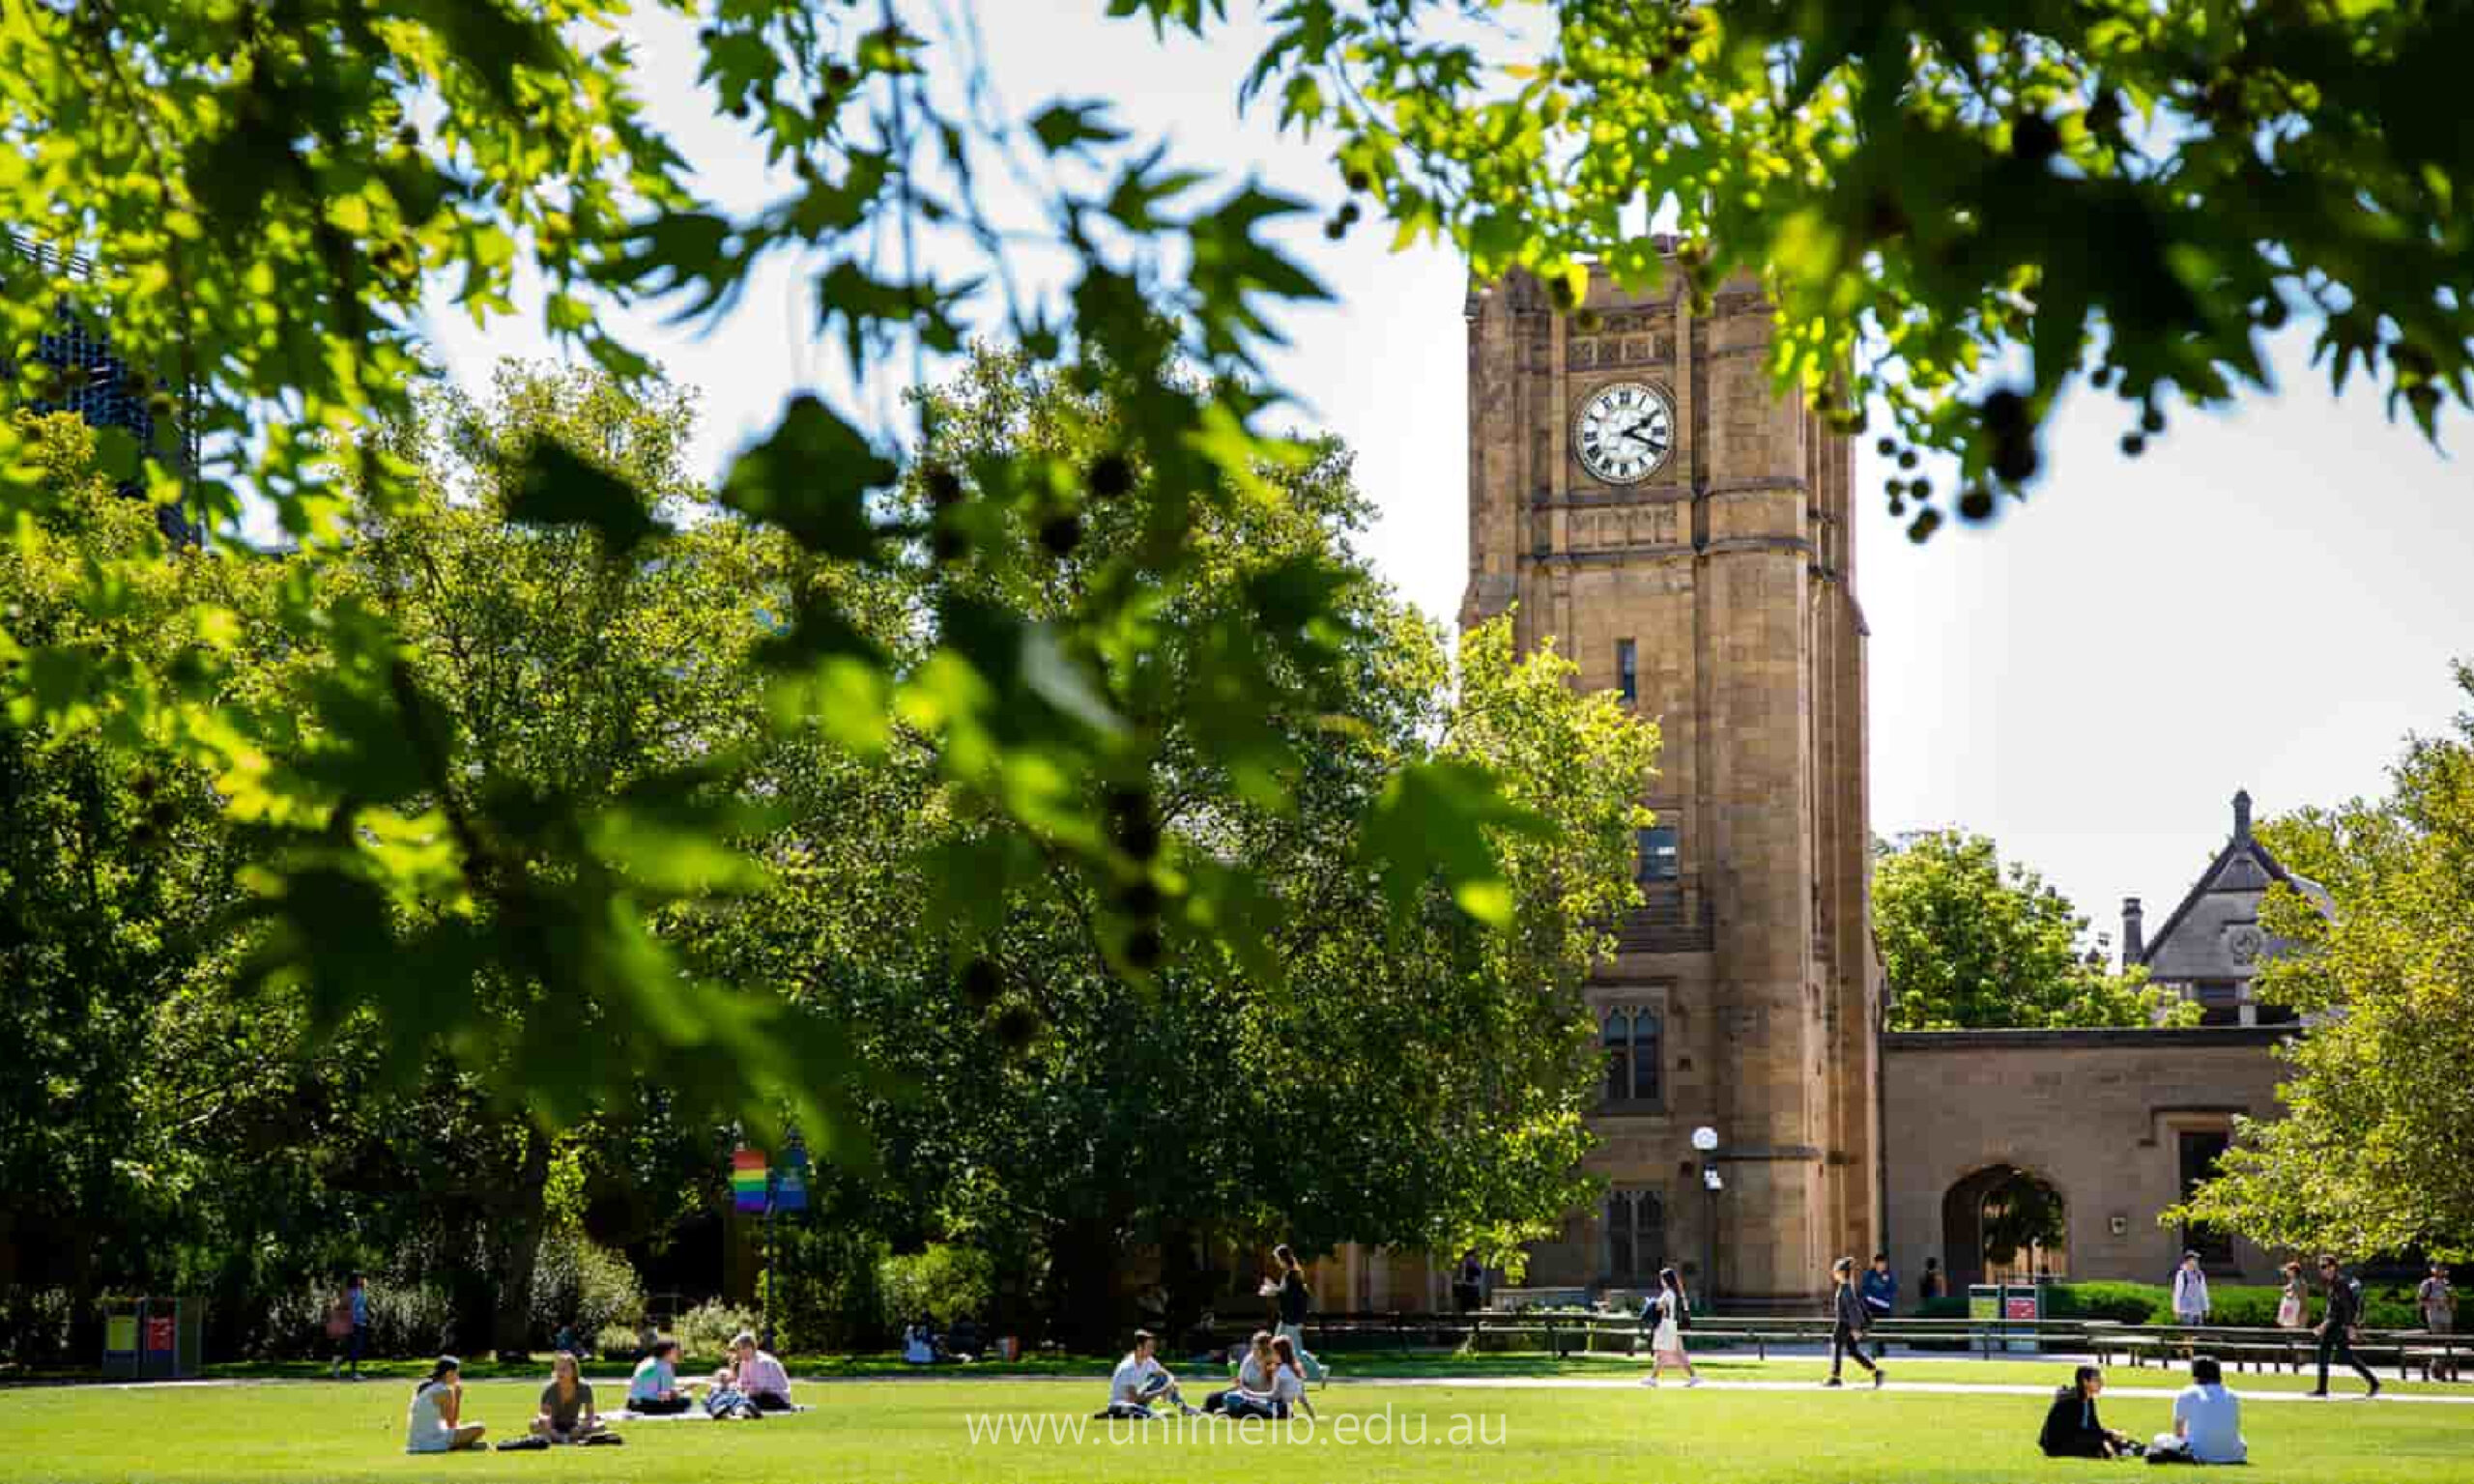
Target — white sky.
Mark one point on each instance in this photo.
(2266, 600)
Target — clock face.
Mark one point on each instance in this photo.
(1625, 432)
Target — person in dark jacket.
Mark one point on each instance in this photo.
(2337, 1326)
(1846, 1324)
(2072, 1429)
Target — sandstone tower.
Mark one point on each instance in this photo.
(1682, 533)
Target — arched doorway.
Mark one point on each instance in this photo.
(2004, 1224)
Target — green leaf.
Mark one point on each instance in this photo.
(555, 486)
(1062, 127)
(811, 478)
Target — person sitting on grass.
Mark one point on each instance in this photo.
(2072, 1429)
(1288, 1378)
(435, 1423)
(2207, 1421)
(756, 1375)
(1254, 1378)
(568, 1413)
(653, 1391)
(1138, 1381)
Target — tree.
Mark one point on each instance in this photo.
(1959, 208)
(1968, 943)
(114, 867)
(2372, 1153)
(1945, 198)
(1081, 1071)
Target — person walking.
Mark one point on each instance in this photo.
(2437, 1301)
(2190, 1291)
(1846, 1324)
(349, 1325)
(2293, 1306)
(1295, 1298)
(1932, 1285)
(2336, 1324)
(1670, 1312)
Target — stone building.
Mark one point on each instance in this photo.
(1640, 497)
(2114, 1125)
(2212, 944)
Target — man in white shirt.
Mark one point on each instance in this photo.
(2207, 1421)
(1140, 1379)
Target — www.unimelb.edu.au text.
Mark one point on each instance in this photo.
(1378, 1429)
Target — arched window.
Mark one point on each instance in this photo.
(1631, 1037)
(1635, 1237)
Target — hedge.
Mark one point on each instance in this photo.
(2250, 1306)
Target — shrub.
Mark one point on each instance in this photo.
(829, 1296)
(2127, 1303)
(1947, 1306)
(617, 1342)
(943, 1282)
(704, 1332)
(575, 1282)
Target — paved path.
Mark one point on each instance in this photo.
(2391, 1397)
(1928, 1387)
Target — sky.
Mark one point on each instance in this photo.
(2268, 599)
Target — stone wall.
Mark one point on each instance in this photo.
(2094, 1114)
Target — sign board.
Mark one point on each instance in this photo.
(790, 1181)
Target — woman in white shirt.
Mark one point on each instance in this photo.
(435, 1423)
(1288, 1378)
(1666, 1340)
(1254, 1376)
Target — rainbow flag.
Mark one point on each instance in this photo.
(747, 1180)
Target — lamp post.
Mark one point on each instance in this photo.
(1705, 1140)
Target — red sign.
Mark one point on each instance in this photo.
(158, 1332)
(2020, 1308)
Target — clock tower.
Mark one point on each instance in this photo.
(1640, 495)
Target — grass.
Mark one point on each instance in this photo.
(894, 1432)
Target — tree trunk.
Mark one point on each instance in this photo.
(1085, 1312)
(513, 1247)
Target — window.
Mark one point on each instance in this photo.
(1661, 855)
(1627, 671)
(1635, 1237)
(2200, 1149)
(1630, 1038)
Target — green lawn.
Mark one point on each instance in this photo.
(898, 1431)
(1382, 1363)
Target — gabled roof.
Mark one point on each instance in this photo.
(2244, 849)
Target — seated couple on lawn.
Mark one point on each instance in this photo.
(1270, 1381)
(751, 1385)
(2207, 1422)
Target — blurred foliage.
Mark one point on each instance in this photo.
(1958, 209)
(254, 199)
